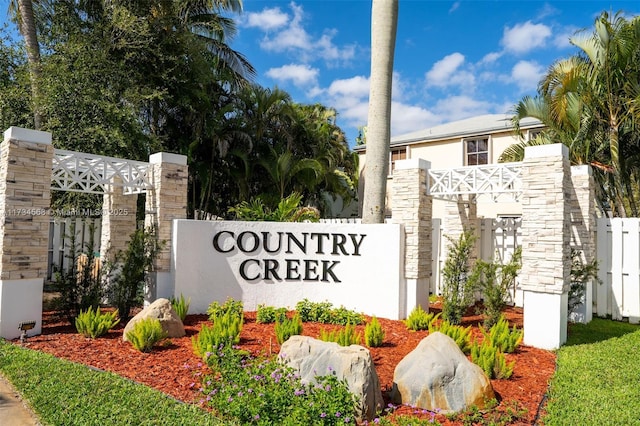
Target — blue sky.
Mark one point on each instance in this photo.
(453, 59)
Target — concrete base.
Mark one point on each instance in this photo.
(20, 301)
(161, 286)
(417, 294)
(545, 320)
(583, 313)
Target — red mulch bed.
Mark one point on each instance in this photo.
(174, 369)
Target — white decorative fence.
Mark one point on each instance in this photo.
(60, 231)
(618, 253)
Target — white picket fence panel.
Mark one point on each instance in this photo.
(60, 241)
(618, 254)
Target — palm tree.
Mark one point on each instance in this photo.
(591, 103)
(22, 13)
(384, 22)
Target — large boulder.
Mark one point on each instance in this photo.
(161, 310)
(436, 375)
(312, 357)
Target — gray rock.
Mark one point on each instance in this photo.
(312, 357)
(161, 310)
(436, 375)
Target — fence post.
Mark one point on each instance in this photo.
(546, 260)
(166, 201)
(26, 158)
(412, 206)
(583, 226)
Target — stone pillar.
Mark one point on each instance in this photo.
(583, 226)
(546, 215)
(413, 208)
(118, 220)
(25, 191)
(166, 201)
(460, 214)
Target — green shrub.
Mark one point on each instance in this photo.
(270, 314)
(286, 328)
(225, 331)
(461, 335)
(496, 282)
(491, 360)
(500, 336)
(234, 307)
(458, 284)
(373, 333)
(263, 391)
(129, 271)
(93, 324)
(581, 273)
(345, 336)
(80, 284)
(418, 319)
(145, 334)
(323, 312)
(181, 306)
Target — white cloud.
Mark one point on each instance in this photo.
(454, 7)
(356, 87)
(447, 72)
(526, 75)
(292, 36)
(299, 75)
(458, 107)
(268, 19)
(407, 118)
(562, 40)
(522, 38)
(490, 58)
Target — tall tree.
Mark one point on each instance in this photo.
(384, 22)
(22, 12)
(591, 103)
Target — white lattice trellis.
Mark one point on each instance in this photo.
(492, 180)
(94, 174)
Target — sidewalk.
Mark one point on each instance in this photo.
(13, 412)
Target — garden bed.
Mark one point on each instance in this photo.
(173, 368)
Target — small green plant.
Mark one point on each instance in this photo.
(323, 312)
(263, 391)
(345, 336)
(287, 210)
(286, 328)
(181, 306)
(270, 314)
(225, 331)
(581, 273)
(497, 281)
(235, 307)
(461, 335)
(419, 319)
(458, 283)
(93, 323)
(491, 360)
(145, 334)
(505, 339)
(373, 333)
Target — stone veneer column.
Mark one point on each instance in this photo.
(166, 201)
(25, 191)
(118, 220)
(460, 214)
(546, 215)
(583, 226)
(413, 208)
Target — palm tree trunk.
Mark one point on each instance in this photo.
(384, 23)
(27, 26)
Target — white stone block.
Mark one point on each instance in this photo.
(20, 301)
(545, 319)
(27, 135)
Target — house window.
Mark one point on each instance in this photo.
(533, 133)
(476, 151)
(395, 155)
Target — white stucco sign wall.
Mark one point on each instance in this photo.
(279, 264)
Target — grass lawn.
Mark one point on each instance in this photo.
(598, 377)
(63, 393)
